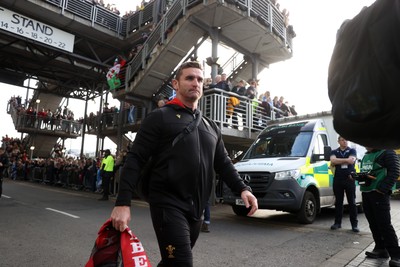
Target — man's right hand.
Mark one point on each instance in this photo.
(121, 216)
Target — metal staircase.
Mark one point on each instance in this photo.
(186, 22)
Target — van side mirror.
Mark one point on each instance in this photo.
(327, 153)
(316, 157)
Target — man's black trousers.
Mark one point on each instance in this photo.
(176, 234)
(340, 187)
(377, 211)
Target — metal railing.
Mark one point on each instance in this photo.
(35, 122)
(233, 63)
(249, 115)
(25, 121)
(110, 120)
(106, 18)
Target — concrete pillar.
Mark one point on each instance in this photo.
(255, 70)
(214, 34)
(83, 126)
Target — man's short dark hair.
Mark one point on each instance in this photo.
(186, 65)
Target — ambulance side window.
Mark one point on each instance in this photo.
(319, 145)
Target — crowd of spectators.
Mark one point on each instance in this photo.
(113, 8)
(28, 115)
(59, 169)
(109, 117)
(68, 172)
(244, 93)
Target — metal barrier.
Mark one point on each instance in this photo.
(68, 176)
(233, 63)
(249, 115)
(106, 18)
(65, 175)
(110, 120)
(47, 124)
(83, 9)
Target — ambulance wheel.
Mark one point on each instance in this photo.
(240, 210)
(308, 210)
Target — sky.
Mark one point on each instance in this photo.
(302, 80)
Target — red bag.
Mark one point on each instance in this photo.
(115, 248)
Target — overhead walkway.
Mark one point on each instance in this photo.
(44, 133)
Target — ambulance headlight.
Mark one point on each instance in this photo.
(286, 175)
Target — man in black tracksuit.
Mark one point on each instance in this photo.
(182, 175)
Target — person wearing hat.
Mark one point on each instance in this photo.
(106, 172)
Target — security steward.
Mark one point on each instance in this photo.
(380, 169)
(106, 172)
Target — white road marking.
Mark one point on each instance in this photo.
(62, 212)
(5, 196)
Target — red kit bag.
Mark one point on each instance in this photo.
(115, 248)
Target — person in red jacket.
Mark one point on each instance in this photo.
(182, 174)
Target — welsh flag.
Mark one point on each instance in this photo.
(113, 78)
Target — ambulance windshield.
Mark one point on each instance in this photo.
(280, 144)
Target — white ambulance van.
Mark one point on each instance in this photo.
(288, 167)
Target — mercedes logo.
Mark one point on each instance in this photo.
(246, 178)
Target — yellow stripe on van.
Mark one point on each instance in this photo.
(321, 173)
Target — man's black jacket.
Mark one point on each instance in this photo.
(182, 177)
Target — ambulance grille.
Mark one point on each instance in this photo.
(258, 181)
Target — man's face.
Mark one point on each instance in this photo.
(342, 142)
(189, 87)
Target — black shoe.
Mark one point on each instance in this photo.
(355, 229)
(335, 226)
(103, 198)
(378, 253)
(394, 262)
(204, 228)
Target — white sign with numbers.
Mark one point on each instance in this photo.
(35, 30)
